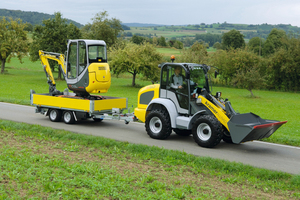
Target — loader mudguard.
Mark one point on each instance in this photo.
(168, 104)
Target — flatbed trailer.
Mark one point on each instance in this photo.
(71, 108)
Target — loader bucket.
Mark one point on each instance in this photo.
(248, 127)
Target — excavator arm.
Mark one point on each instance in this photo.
(60, 59)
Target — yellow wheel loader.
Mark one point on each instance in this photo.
(183, 102)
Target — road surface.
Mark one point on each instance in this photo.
(259, 154)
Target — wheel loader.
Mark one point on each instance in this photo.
(190, 108)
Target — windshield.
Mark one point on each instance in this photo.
(97, 52)
(197, 77)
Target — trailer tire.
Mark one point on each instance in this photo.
(158, 124)
(182, 132)
(55, 115)
(68, 117)
(207, 131)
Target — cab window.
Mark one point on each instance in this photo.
(72, 61)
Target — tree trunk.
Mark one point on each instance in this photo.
(133, 79)
(252, 95)
(59, 73)
(2, 65)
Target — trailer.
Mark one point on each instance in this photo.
(70, 108)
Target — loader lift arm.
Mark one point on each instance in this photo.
(60, 59)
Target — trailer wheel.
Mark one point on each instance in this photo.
(158, 124)
(207, 131)
(182, 132)
(55, 115)
(68, 117)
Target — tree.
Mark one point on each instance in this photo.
(255, 44)
(13, 41)
(162, 41)
(275, 40)
(233, 64)
(196, 54)
(135, 59)
(283, 69)
(249, 78)
(233, 39)
(52, 36)
(103, 28)
(137, 39)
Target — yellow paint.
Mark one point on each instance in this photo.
(99, 78)
(217, 111)
(140, 111)
(79, 104)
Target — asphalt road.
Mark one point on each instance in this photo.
(259, 154)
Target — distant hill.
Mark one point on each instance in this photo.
(31, 17)
(141, 24)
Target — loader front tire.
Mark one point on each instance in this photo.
(207, 131)
(55, 115)
(158, 124)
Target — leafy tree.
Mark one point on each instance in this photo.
(249, 78)
(52, 36)
(234, 63)
(135, 59)
(283, 70)
(275, 40)
(175, 43)
(13, 40)
(217, 45)
(196, 54)
(233, 39)
(162, 41)
(137, 39)
(103, 28)
(256, 44)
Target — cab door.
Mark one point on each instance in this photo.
(179, 96)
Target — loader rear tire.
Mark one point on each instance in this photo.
(207, 131)
(55, 115)
(158, 124)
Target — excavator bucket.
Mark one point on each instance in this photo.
(248, 126)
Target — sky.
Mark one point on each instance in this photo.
(168, 12)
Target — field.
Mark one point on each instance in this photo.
(39, 162)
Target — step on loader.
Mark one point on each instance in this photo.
(183, 102)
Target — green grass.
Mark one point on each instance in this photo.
(282, 106)
(42, 163)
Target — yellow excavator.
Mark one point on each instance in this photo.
(84, 67)
(86, 71)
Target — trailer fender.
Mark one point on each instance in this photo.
(168, 105)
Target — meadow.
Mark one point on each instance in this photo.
(43, 163)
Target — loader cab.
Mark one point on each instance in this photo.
(180, 82)
(87, 70)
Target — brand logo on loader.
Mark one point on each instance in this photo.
(210, 107)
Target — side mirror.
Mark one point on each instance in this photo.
(216, 74)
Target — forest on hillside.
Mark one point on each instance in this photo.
(32, 18)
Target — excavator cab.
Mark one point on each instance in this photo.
(87, 69)
(84, 67)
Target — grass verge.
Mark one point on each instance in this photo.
(40, 162)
